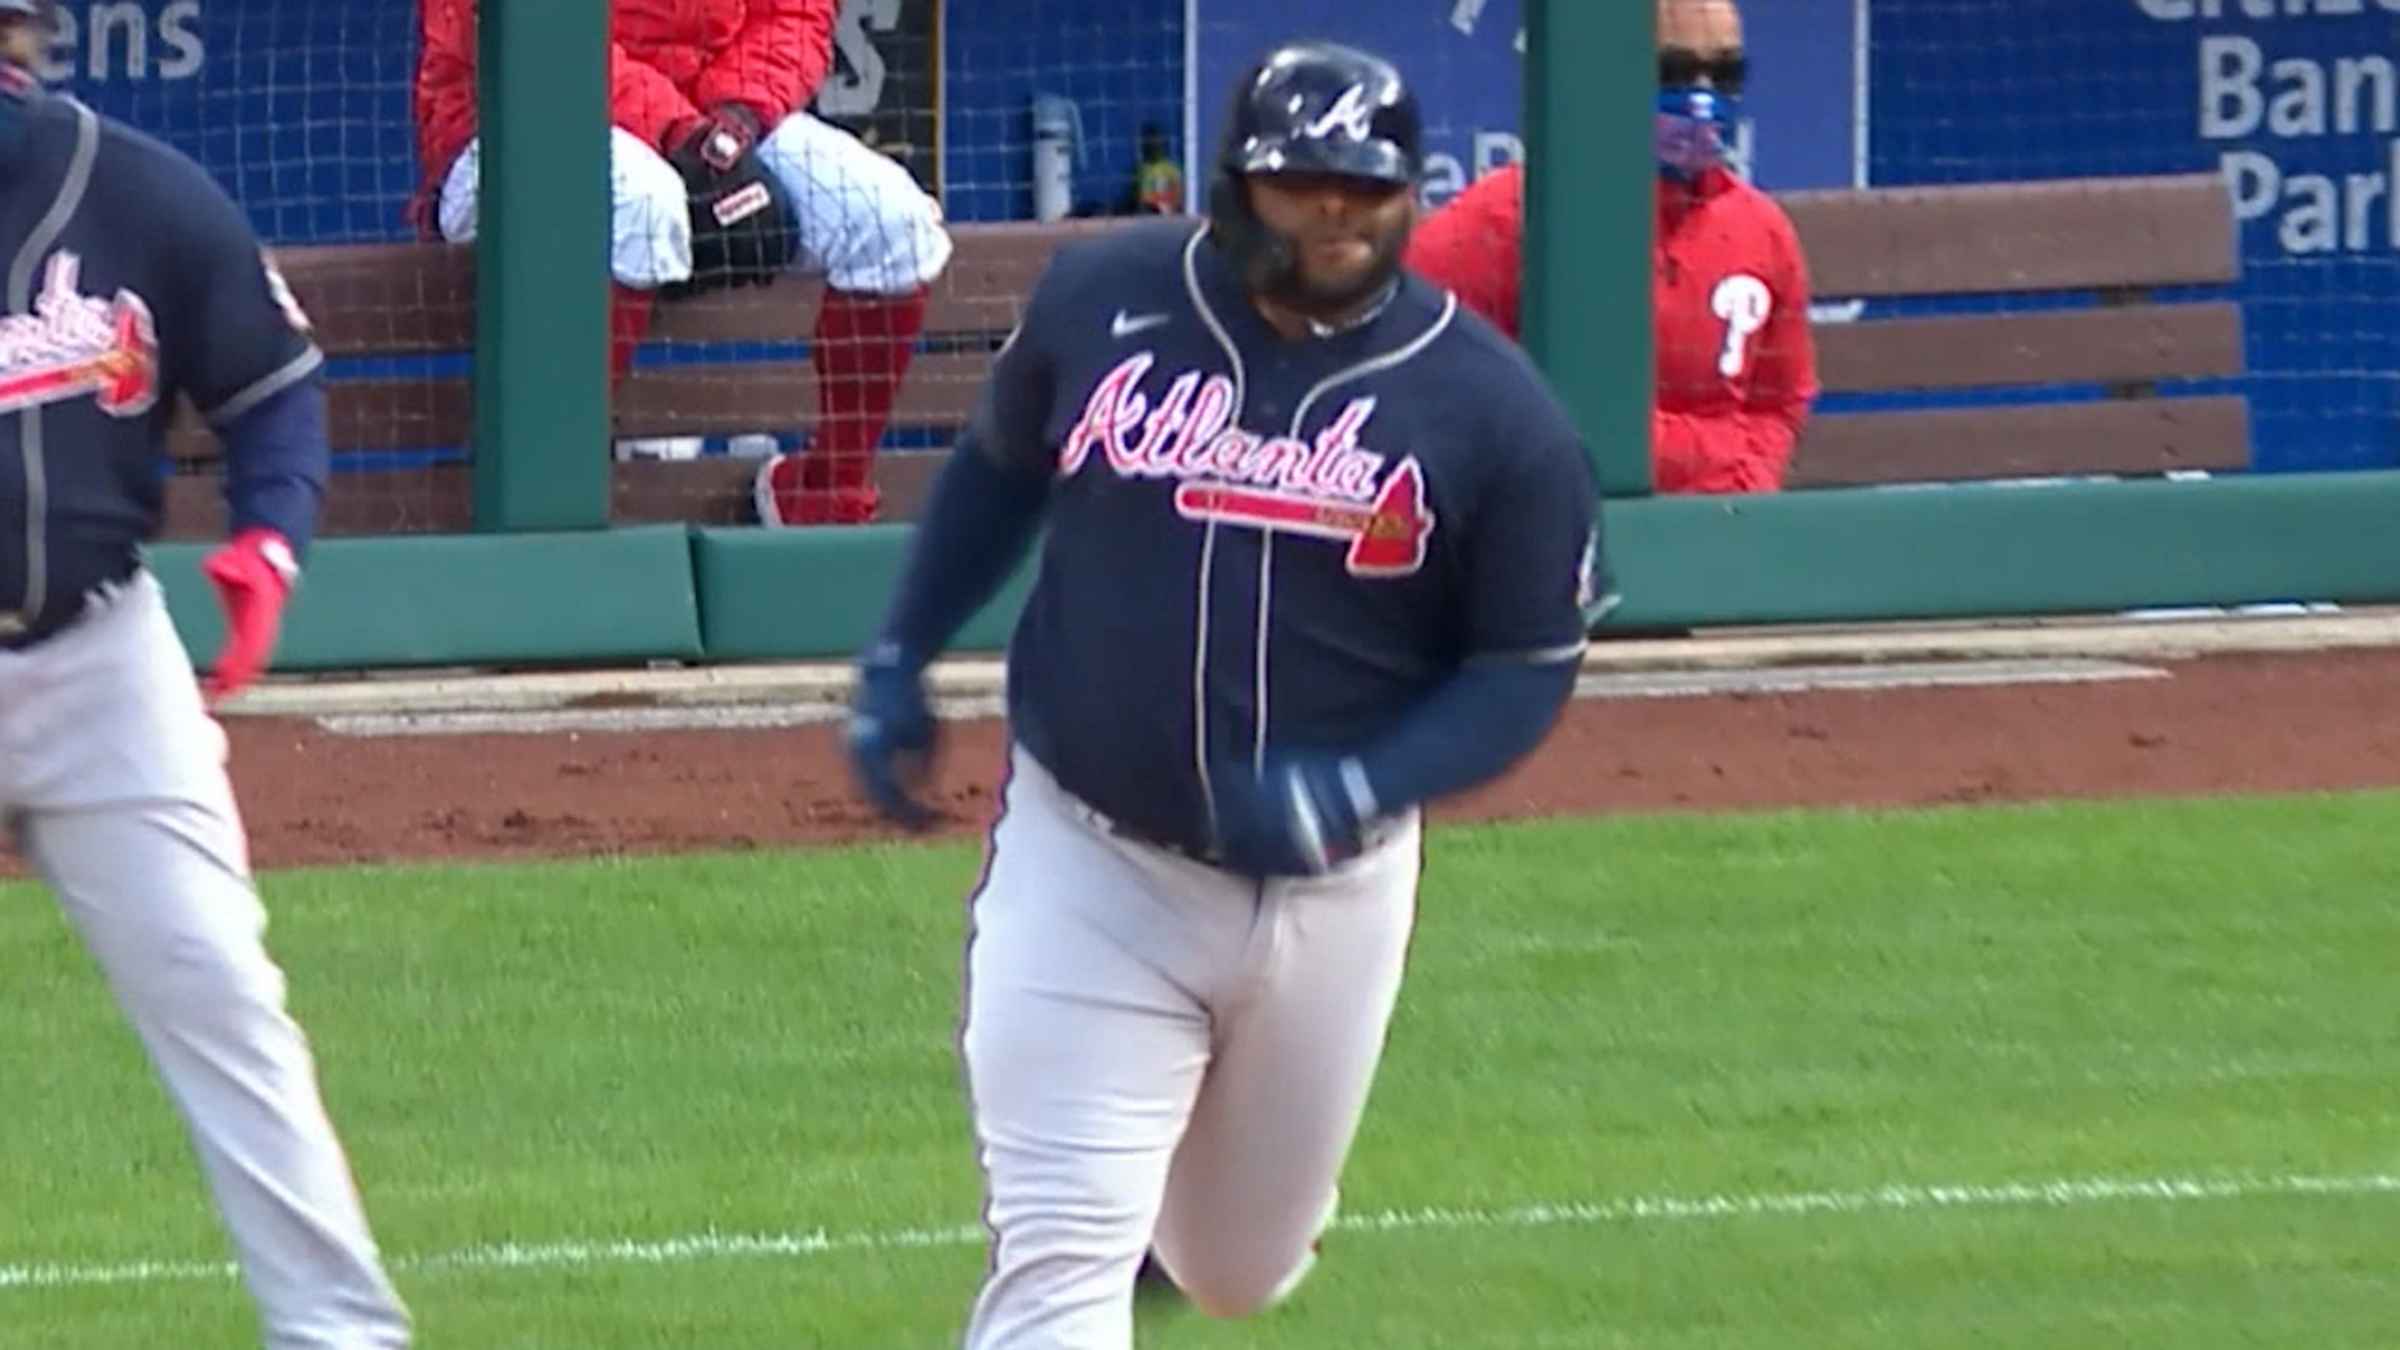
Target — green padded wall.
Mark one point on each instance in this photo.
(537, 599)
(795, 594)
(1954, 552)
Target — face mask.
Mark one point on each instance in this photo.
(1695, 129)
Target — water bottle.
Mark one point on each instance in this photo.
(1058, 149)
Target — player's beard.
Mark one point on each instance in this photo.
(1290, 284)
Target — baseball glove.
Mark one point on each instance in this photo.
(744, 230)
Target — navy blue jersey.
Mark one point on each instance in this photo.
(133, 282)
(1256, 542)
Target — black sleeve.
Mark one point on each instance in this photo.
(1534, 581)
(989, 500)
(1537, 573)
(234, 337)
(1011, 421)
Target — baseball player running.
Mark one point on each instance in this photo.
(133, 281)
(1320, 549)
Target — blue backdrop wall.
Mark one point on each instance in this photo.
(2296, 100)
(302, 106)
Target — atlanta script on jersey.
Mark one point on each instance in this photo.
(1329, 487)
(1298, 540)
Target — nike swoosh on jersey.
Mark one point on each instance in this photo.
(1126, 325)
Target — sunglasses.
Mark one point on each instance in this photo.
(1681, 68)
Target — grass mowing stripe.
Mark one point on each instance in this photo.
(49, 1275)
(2056, 1194)
(714, 1246)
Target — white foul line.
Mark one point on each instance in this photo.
(698, 1248)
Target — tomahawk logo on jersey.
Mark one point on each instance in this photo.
(75, 344)
(1288, 530)
(1328, 487)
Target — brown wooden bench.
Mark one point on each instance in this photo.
(2119, 237)
(417, 301)
(409, 300)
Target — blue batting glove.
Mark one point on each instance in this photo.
(893, 737)
(1302, 817)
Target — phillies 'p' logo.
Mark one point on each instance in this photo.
(1744, 303)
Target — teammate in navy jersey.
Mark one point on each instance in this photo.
(134, 281)
(1321, 548)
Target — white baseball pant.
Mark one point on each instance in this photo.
(865, 225)
(1160, 1053)
(112, 776)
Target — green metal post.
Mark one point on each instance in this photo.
(1590, 84)
(541, 268)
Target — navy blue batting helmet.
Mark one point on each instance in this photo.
(1320, 107)
(1310, 107)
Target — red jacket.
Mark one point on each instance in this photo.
(1736, 365)
(669, 61)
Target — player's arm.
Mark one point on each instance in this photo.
(445, 92)
(237, 345)
(777, 62)
(1787, 384)
(986, 505)
(986, 502)
(1750, 450)
(1744, 451)
(1535, 582)
(644, 101)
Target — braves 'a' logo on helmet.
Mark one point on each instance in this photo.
(1351, 113)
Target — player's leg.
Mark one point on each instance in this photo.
(650, 218)
(1254, 1180)
(128, 814)
(879, 240)
(650, 245)
(1085, 1038)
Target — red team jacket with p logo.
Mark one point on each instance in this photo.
(1736, 367)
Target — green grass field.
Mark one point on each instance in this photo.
(2122, 1075)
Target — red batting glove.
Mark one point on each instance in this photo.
(253, 574)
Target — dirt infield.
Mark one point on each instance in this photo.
(2239, 723)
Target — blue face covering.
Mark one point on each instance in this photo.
(1695, 131)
